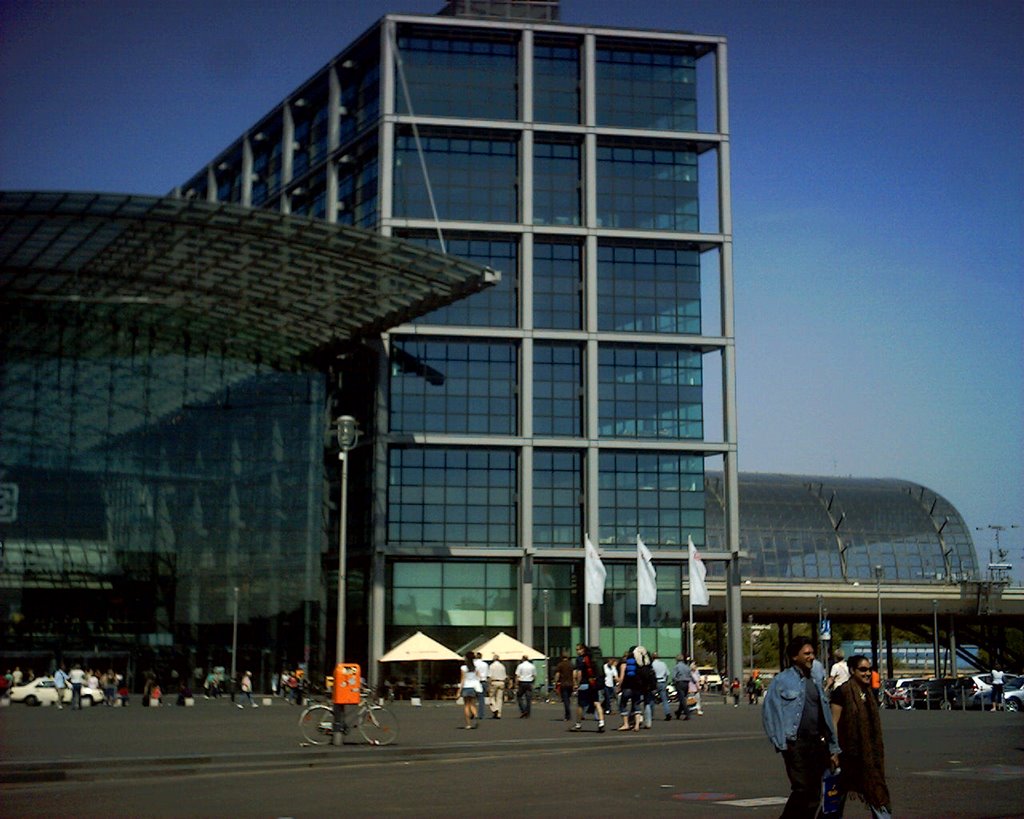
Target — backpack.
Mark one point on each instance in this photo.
(648, 679)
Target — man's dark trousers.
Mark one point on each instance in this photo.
(806, 761)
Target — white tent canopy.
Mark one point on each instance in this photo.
(507, 648)
(419, 647)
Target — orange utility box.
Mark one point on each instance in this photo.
(346, 683)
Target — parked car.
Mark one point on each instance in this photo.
(710, 678)
(975, 692)
(42, 690)
(1014, 700)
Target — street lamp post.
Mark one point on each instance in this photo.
(878, 595)
(234, 644)
(347, 434)
(547, 652)
(347, 431)
(750, 620)
(935, 635)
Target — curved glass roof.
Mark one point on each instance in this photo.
(272, 287)
(795, 526)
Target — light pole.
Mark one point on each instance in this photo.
(347, 431)
(935, 635)
(547, 652)
(234, 644)
(878, 594)
(348, 435)
(750, 619)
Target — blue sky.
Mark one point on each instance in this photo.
(878, 180)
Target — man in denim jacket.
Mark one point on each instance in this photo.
(798, 721)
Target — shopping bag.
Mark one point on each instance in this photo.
(831, 797)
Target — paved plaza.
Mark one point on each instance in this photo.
(217, 760)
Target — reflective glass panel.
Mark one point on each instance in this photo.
(473, 178)
(458, 74)
(644, 88)
(659, 495)
(557, 286)
(448, 385)
(557, 390)
(649, 392)
(557, 499)
(556, 84)
(451, 497)
(497, 306)
(650, 188)
(556, 183)
(648, 288)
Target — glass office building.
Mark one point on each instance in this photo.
(590, 167)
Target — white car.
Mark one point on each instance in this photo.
(42, 690)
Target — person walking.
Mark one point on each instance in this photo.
(481, 674)
(856, 716)
(247, 690)
(661, 681)
(469, 687)
(564, 685)
(587, 681)
(681, 680)
(734, 689)
(695, 686)
(631, 694)
(496, 678)
(60, 684)
(77, 680)
(611, 673)
(798, 722)
(526, 673)
(839, 673)
(998, 680)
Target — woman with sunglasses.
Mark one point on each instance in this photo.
(856, 715)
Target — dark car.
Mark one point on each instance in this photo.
(937, 693)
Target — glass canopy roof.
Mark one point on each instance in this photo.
(270, 287)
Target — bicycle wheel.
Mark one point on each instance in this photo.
(378, 725)
(315, 724)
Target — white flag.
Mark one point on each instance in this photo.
(594, 574)
(646, 577)
(698, 586)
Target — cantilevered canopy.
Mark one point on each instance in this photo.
(278, 288)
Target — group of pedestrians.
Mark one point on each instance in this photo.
(815, 732)
(634, 683)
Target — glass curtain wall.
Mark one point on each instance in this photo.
(154, 478)
(526, 185)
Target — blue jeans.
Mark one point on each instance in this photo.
(663, 696)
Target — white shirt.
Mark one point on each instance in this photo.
(496, 671)
(839, 673)
(469, 678)
(660, 670)
(481, 669)
(611, 675)
(997, 678)
(526, 671)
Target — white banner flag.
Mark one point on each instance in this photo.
(698, 585)
(594, 574)
(646, 577)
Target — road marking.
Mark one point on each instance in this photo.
(987, 773)
(759, 802)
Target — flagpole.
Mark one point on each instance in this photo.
(638, 640)
(586, 594)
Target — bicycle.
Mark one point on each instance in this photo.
(377, 724)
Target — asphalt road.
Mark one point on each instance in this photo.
(217, 760)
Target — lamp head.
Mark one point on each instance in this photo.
(347, 432)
